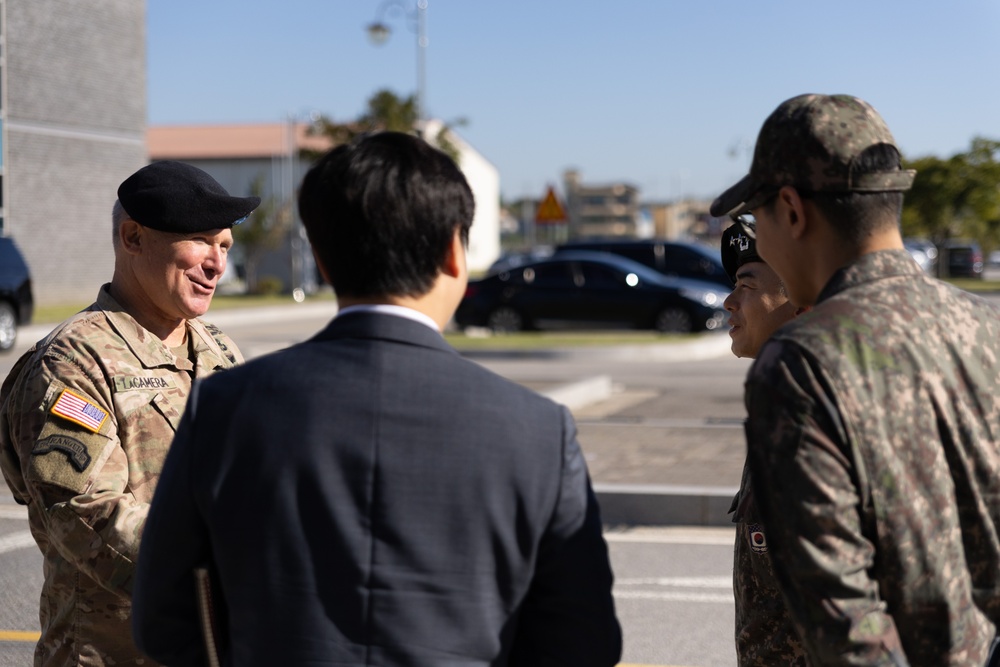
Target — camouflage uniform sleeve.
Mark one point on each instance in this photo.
(75, 471)
(807, 490)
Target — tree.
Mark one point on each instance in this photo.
(956, 197)
(264, 230)
(387, 112)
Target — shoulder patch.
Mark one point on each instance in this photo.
(79, 410)
(74, 450)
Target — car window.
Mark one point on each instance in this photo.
(596, 275)
(679, 258)
(554, 274)
(641, 254)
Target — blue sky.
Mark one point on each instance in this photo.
(666, 95)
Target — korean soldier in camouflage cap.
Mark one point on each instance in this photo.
(874, 419)
(87, 414)
(758, 306)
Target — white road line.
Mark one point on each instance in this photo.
(675, 596)
(14, 541)
(680, 582)
(711, 536)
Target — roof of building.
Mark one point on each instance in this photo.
(193, 142)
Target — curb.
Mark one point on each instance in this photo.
(575, 395)
(664, 505)
(646, 504)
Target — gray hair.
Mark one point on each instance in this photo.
(118, 216)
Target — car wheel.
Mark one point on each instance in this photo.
(504, 319)
(8, 326)
(673, 320)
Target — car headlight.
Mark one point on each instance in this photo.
(706, 297)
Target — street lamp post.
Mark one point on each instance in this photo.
(379, 31)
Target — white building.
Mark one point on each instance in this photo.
(484, 179)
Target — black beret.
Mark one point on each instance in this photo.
(737, 249)
(177, 197)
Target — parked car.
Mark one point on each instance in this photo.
(924, 253)
(592, 288)
(16, 301)
(965, 259)
(671, 258)
(511, 259)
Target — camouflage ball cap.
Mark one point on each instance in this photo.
(811, 142)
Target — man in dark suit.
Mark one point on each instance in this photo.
(369, 497)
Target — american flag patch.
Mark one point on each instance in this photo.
(78, 410)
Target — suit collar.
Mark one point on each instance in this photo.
(367, 324)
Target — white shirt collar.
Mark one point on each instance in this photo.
(388, 309)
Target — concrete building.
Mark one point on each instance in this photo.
(685, 219)
(607, 210)
(72, 127)
(237, 155)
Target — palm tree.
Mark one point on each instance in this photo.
(387, 112)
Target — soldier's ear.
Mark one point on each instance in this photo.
(790, 208)
(130, 236)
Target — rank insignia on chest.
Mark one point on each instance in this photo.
(758, 543)
(79, 410)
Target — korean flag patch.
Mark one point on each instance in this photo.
(758, 543)
(79, 410)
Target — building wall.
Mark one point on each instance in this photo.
(74, 115)
(610, 210)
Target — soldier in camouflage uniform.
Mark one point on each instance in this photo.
(758, 306)
(87, 414)
(874, 419)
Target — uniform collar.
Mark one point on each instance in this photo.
(868, 268)
(149, 349)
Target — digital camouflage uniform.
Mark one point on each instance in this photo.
(86, 464)
(765, 636)
(874, 443)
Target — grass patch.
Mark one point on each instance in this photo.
(975, 284)
(550, 339)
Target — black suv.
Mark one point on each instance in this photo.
(16, 301)
(672, 258)
(965, 259)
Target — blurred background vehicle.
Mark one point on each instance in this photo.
(924, 253)
(671, 258)
(509, 260)
(17, 303)
(964, 259)
(590, 289)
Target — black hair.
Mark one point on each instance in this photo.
(381, 213)
(858, 215)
